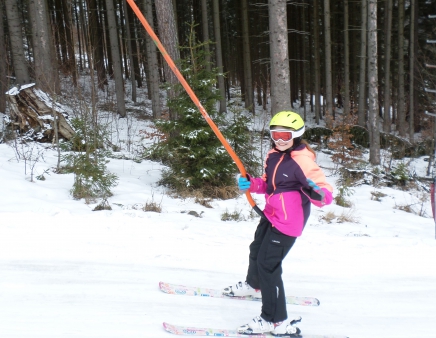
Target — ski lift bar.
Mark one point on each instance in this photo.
(430, 90)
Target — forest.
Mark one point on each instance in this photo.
(373, 60)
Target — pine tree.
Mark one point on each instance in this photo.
(195, 156)
(86, 158)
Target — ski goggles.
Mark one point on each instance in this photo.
(285, 135)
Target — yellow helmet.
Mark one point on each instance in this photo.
(289, 119)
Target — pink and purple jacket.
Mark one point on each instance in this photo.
(287, 193)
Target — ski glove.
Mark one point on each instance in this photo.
(243, 183)
(317, 189)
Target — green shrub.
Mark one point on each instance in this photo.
(232, 216)
(400, 174)
(341, 198)
(87, 160)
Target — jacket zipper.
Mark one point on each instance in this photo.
(275, 171)
(274, 184)
(283, 206)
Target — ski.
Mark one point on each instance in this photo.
(196, 331)
(204, 292)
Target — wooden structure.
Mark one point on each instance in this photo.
(33, 111)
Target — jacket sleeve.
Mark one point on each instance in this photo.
(311, 170)
(258, 185)
(316, 198)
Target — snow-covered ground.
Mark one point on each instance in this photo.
(68, 271)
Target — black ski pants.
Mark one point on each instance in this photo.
(267, 252)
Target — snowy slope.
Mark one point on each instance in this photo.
(66, 271)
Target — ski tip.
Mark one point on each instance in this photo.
(162, 286)
(167, 326)
(171, 328)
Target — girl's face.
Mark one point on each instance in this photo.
(280, 144)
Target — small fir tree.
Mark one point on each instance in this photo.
(195, 156)
(87, 159)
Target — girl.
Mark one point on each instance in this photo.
(291, 182)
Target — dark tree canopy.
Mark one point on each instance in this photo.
(74, 36)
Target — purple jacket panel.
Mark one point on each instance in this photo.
(287, 193)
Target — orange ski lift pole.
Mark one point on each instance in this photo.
(195, 99)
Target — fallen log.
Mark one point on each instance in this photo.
(33, 113)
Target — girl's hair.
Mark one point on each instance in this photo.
(308, 146)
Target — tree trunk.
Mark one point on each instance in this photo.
(303, 63)
(107, 44)
(153, 65)
(362, 68)
(205, 30)
(3, 65)
(311, 72)
(356, 59)
(328, 59)
(280, 86)
(123, 39)
(136, 54)
(34, 44)
(412, 71)
(84, 33)
(346, 61)
(197, 17)
(115, 49)
(67, 9)
(168, 35)
(373, 125)
(79, 29)
(219, 56)
(59, 33)
(16, 40)
(264, 55)
(317, 61)
(174, 6)
(387, 87)
(337, 60)
(45, 63)
(291, 19)
(249, 99)
(401, 123)
(130, 50)
(96, 43)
